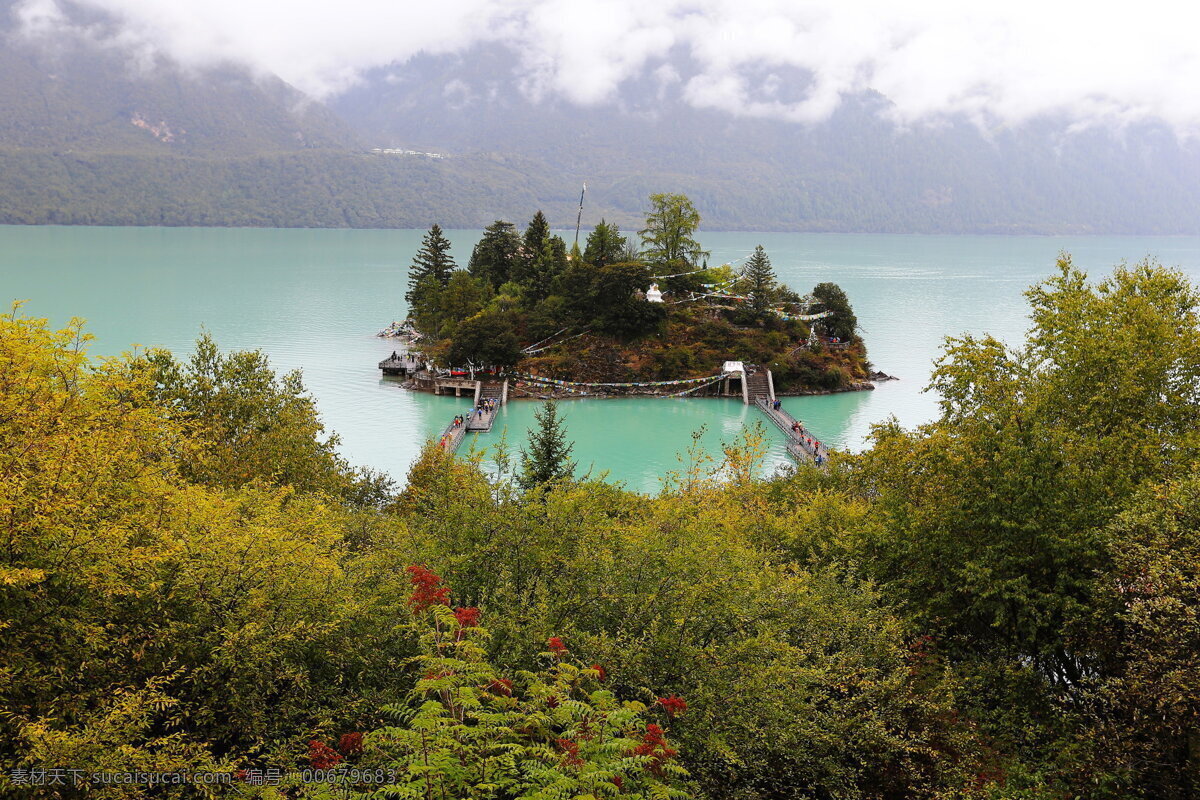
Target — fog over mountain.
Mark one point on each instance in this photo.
(786, 116)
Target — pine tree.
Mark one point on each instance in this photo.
(760, 279)
(432, 259)
(533, 248)
(493, 257)
(548, 458)
(547, 268)
(605, 245)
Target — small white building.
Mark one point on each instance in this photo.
(653, 295)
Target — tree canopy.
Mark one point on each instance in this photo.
(841, 323)
(760, 281)
(668, 240)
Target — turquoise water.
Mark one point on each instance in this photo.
(313, 299)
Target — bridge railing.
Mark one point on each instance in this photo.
(800, 438)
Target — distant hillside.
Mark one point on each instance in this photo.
(92, 135)
(80, 98)
(856, 172)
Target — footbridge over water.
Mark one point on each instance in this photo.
(489, 396)
(758, 389)
(754, 383)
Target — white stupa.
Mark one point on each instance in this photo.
(653, 295)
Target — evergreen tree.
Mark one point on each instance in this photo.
(425, 305)
(605, 245)
(841, 323)
(432, 259)
(548, 458)
(493, 257)
(530, 260)
(537, 233)
(760, 280)
(547, 267)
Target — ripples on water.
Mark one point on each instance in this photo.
(312, 299)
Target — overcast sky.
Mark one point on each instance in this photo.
(1095, 62)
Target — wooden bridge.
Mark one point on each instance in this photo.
(759, 390)
(489, 397)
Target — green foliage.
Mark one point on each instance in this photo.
(496, 254)
(605, 245)
(162, 612)
(668, 242)
(760, 281)
(486, 339)
(617, 310)
(433, 260)
(533, 243)
(464, 296)
(247, 423)
(1147, 628)
(1001, 603)
(548, 459)
(842, 324)
(469, 732)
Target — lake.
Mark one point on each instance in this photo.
(314, 299)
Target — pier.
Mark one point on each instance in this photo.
(400, 364)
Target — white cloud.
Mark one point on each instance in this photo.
(1094, 63)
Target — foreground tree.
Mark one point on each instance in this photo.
(247, 423)
(995, 512)
(432, 260)
(1147, 697)
(548, 459)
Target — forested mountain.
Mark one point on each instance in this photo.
(68, 93)
(93, 133)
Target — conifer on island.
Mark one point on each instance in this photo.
(432, 260)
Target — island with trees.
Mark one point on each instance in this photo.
(642, 309)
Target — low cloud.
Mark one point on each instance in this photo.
(1092, 64)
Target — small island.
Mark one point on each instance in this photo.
(620, 316)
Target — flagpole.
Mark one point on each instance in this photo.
(579, 216)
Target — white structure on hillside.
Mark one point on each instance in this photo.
(653, 295)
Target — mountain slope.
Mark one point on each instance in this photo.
(70, 93)
(856, 171)
(95, 134)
